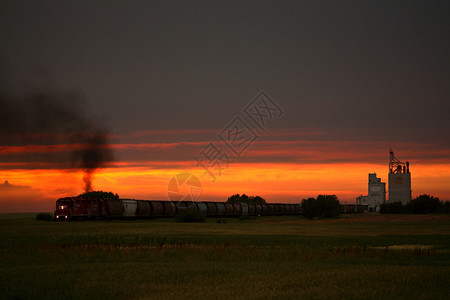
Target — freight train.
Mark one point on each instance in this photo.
(79, 208)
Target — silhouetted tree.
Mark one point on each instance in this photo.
(424, 204)
(246, 199)
(309, 208)
(446, 207)
(234, 198)
(325, 206)
(99, 195)
(256, 200)
(328, 205)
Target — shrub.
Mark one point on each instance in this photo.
(191, 215)
(44, 217)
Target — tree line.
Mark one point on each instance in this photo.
(423, 204)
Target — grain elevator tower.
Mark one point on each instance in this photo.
(376, 196)
(399, 180)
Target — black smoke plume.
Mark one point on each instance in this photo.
(50, 129)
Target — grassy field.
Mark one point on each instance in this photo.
(367, 256)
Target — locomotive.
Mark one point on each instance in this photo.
(79, 208)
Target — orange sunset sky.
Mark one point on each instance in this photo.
(279, 171)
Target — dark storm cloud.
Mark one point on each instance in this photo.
(49, 129)
(368, 70)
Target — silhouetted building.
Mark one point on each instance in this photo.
(377, 193)
(399, 180)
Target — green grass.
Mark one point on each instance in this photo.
(355, 257)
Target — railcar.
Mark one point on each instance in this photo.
(221, 209)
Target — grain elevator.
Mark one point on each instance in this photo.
(399, 180)
(376, 196)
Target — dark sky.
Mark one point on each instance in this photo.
(362, 69)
